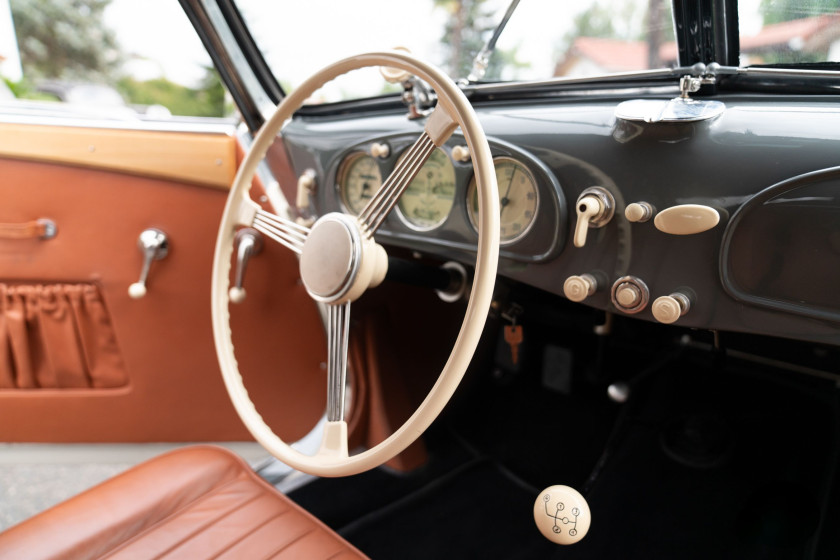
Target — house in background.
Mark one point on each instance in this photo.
(818, 35)
(788, 41)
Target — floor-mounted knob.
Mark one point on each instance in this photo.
(562, 514)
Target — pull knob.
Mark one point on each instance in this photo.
(380, 150)
(461, 153)
(562, 515)
(595, 208)
(639, 212)
(667, 309)
(578, 288)
(154, 244)
(630, 294)
(248, 242)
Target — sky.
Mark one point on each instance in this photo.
(299, 37)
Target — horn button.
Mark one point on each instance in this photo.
(330, 258)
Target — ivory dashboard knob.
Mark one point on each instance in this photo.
(578, 288)
(562, 515)
(667, 309)
(461, 153)
(380, 150)
(638, 212)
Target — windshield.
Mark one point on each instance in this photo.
(543, 38)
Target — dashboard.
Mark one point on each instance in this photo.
(762, 173)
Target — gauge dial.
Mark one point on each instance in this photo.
(426, 202)
(358, 179)
(518, 199)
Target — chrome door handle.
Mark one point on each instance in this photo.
(248, 243)
(154, 244)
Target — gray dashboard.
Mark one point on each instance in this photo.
(765, 165)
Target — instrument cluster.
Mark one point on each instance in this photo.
(441, 202)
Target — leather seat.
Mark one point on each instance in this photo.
(196, 502)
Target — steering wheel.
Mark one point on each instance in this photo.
(339, 260)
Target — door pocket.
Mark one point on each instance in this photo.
(57, 336)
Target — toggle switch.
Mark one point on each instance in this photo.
(578, 288)
(154, 244)
(667, 309)
(595, 208)
(562, 514)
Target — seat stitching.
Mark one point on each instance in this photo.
(251, 532)
(206, 526)
(279, 549)
(174, 514)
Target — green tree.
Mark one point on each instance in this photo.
(65, 39)
(777, 11)
(467, 29)
(207, 100)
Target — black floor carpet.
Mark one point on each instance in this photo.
(705, 461)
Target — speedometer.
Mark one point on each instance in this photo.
(518, 199)
(358, 179)
(427, 201)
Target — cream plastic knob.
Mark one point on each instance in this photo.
(638, 212)
(380, 150)
(562, 515)
(588, 207)
(461, 153)
(667, 309)
(237, 294)
(395, 75)
(137, 290)
(628, 295)
(578, 288)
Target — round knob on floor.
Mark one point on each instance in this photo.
(562, 514)
(578, 288)
(667, 309)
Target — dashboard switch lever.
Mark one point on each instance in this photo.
(248, 242)
(595, 208)
(154, 244)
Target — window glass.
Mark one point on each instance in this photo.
(122, 57)
(543, 39)
(789, 31)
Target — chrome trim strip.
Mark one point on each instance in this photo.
(249, 79)
(215, 126)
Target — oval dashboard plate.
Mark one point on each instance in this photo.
(686, 219)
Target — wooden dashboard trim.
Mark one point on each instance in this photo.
(203, 158)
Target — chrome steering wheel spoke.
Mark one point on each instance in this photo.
(438, 129)
(338, 318)
(283, 231)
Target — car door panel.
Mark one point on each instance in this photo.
(173, 389)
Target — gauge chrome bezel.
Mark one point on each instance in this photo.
(341, 177)
(530, 174)
(405, 220)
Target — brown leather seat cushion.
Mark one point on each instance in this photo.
(196, 502)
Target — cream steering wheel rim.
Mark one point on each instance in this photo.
(238, 212)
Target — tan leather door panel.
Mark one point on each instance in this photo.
(174, 390)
